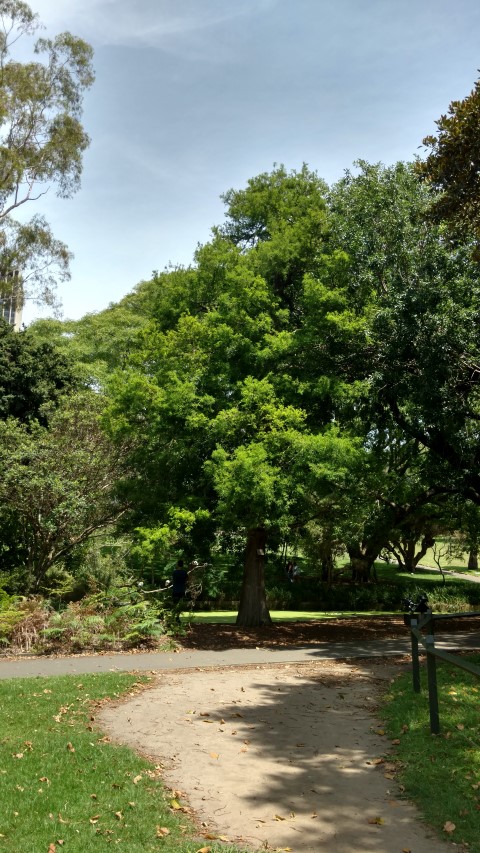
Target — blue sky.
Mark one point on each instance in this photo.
(193, 97)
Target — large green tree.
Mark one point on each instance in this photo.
(452, 168)
(33, 374)
(232, 432)
(41, 141)
(57, 487)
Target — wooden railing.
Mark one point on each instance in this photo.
(422, 630)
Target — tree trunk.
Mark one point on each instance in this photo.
(362, 561)
(427, 542)
(253, 611)
(361, 568)
(473, 559)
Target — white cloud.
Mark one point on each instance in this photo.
(165, 24)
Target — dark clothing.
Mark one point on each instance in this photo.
(179, 583)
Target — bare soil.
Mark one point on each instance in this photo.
(287, 757)
(219, 637)
(282, 757)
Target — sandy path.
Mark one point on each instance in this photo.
(277, 756)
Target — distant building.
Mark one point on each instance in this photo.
(11, 298)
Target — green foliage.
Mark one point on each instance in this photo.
(118, 618)
(100, 622)
(452, 167)
(33, 375)
(57, 485)
(41, 142)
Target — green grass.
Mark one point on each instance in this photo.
(440, 773)
(228, 617)
(387, 572)
(62, 781)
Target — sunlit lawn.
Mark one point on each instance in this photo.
(64, 786)
(229, 616)
(441, 773)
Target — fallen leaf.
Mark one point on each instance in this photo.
(174, 804)
(17, 755)
(396, 741)
(460, 727)
(214, 755)
(51, 848)
(204, 850)
(378, 821)
(279, 817)
(162, 831)
(449, 826)
(95, 818)
(70, 747)
(137, 779)
(119, 815)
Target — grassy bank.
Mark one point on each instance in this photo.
(440, 773)
(63, 786)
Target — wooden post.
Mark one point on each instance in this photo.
(432, 685)
(415, 658)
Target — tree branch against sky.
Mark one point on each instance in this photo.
(216, 92)
(42, 141)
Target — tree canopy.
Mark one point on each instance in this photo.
(41, 141)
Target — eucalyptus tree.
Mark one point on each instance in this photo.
(42, 141)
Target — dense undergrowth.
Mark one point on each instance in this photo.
(123, 617)
(99, 621)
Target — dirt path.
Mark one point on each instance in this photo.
(282, 757)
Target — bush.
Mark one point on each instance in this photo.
(116, 620)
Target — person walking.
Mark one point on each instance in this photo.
(179, 582)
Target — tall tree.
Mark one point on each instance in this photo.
(41, 142)
(218, 395)
(452, 168)
(57, 486)
(33, 375)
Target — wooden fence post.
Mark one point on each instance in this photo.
(432, 684)
(415, 658)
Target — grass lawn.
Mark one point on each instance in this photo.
(63, 786)
(228, 617)
(387, 572)
(441, 773)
